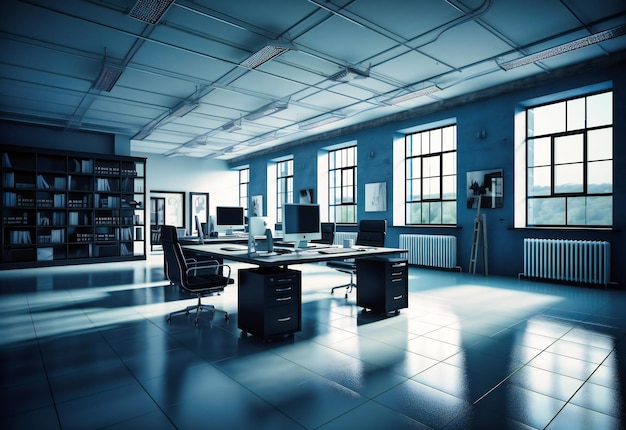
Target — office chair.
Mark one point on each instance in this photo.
(371, 233)
(200, 278)
(328, 233)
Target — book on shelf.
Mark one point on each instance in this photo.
(42, 183)
(9, 179)
(7, 161)
(20, 237)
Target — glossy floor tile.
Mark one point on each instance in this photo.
(89, 346)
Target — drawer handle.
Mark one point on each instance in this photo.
(282, 299)
(398, 265)
(396, 273)
(280, 290)
(397, 280)
(397, 297)
(283, 319)
(284, 280)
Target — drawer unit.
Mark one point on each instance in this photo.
(382, 284)
(269, 301)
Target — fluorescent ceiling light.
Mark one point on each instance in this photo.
(265, 54)
(150, 11)
(183, 109)
(348, 74)
(267, 110)
(411, 95)
(262, 139)
(143, 133)
(232, 126)
(566, 47)
(109, 74)
(321, 120)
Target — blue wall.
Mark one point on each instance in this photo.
(492, 111)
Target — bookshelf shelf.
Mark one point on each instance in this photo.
(61, 208)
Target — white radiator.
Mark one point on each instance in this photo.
(430, 250)
(584, 261)
(341, 235)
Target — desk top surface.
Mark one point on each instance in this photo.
(314, 254)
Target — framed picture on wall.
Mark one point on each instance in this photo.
(376, 197)
(199, 204)
(485, 186)
(256, 206)
(174, 206)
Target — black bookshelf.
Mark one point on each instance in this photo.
(68, 208)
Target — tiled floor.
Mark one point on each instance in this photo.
(88, 346)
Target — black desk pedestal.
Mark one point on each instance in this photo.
(269, 301)
(382, 284)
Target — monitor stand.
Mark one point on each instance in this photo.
(302, 244)
(229, 232)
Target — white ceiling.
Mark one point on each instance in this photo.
(52, 52)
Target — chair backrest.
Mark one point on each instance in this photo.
(372, 232)
(174, 261)
(328, 233)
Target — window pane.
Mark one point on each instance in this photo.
(432, 188)
(348, 196)
(550, 211)
(415, 164)
(435, 213)
(600, 144)
(449, 139)
(449, 163)
(449, 213)
(568, 149)
(600, 210)
(539, 181)
(425, 213)
(414, 192)
(576, 210)
(576, 114)
(600, 109)
(568, 178)
(539, 152)
(432, 166)
(546, 119)
(435, 140)
(425, 142)
(449, 187)
(600, 177)
(414, 213)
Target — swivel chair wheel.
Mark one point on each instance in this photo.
(168, 319)
(226, 315)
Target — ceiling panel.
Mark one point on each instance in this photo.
(52, 53)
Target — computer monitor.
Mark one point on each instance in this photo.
(258, 224)
(229, 218)
(301, 223)
(199, 228)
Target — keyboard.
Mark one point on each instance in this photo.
(335, 250)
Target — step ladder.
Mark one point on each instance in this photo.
(480, 230)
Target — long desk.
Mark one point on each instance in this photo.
(269, 298)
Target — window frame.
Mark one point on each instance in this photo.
(284, 186)
(440, 177)
(244, 188)
(567, 198)
(347, 182)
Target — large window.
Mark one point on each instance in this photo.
(569, 162)
(342, 185)
(430, 180)
(244, 186)
(284, 186)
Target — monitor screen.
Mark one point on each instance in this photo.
(228, 218)
(301, 223)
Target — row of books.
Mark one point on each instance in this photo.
(15, 219)
(56, 236)
(20, 237)
(108, 202)
(58, 218)
(60, 182)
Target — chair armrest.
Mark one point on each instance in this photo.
(213, 265)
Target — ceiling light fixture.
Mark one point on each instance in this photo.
(321, 120)
(412, 95)
(349, 74)
(232, 126)
(109, 74)
(262, 139)
(267, 110)
(271, 50)
(182, 109)
(566, 47)
(150, 11)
